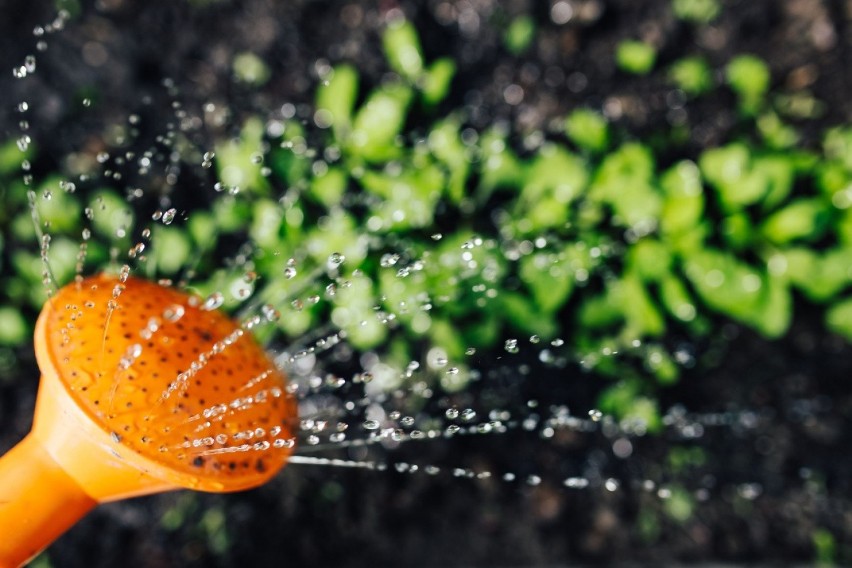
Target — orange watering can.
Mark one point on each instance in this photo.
(144, 389)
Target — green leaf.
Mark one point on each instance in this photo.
(680, 505)
(635, 57)
(238, 160)
(378, 123)
(642, 316)
(11, 157)
(266, 222)
(650, 259)
(231, 214)
(250, 69)
(402, 49)
(354, 313)
(623, 401)
(446, 145)
(683, 205)
(57, 207)
(14, 329)
(728, 169)
(499, 166)
(692, 75)
(778, 173)
(550, 279)
(696, 11)
(170, 249)
(588, 130)
(520, 34)
(436, 82)
(749, 77)
(801, 219)
(525, 316)
(328, 188)
(406, 297)
(338, 233)
(676, 299)
(289, 159)
(738, 290)
(409, 198)
(556, 173)
(820, 277)
(110, 214)
(737, 230)
(336, 97)
(659, 362)
(624, 181)
(838, 318)
(776, 134)
(837, 145)
(776, 308)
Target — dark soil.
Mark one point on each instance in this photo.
(794, 454)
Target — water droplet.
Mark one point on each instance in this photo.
(576, 482)
(169, 216)
(173, 313)
(511, 346)
(270, 313)
(389, 260)
(468, 414)
(371, 425)
(30, 63)
(595, 415)
(213, 301)
(335, 259)
(452, 413)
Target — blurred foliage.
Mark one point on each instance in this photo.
(635, 57)
(459, 239)
(696, 11)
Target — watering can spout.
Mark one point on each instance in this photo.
(104, 430)
(38, 502)
(61, 470)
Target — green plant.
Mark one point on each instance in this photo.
(748, 76)
(635, 57)
(696, 11)
(692, 75)
(520, 34)
(592, 239)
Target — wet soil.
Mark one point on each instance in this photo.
(769, 484)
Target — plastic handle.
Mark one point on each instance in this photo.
(38, 502)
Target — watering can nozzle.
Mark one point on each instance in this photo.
(143, 390)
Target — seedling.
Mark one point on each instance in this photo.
(635, 57)
(144, 389)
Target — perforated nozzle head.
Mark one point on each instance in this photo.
(187, 390)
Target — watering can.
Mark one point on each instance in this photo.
(143, 389)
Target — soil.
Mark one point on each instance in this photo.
(778, 476)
